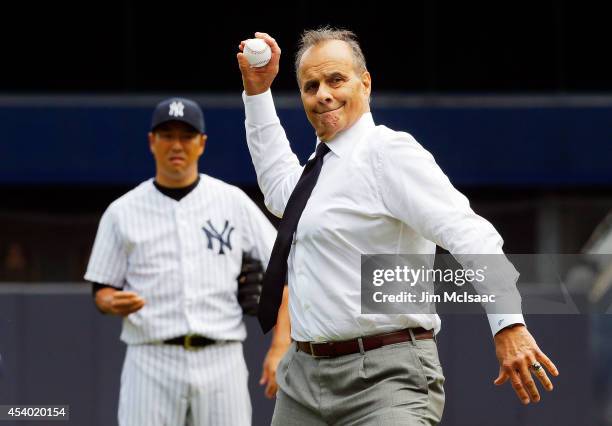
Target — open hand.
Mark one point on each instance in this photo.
(518, 352)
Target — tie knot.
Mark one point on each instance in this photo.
(322, 149)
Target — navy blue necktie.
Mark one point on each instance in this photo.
(276, 274)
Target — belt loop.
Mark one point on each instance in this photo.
(361, 350)
(412, 338)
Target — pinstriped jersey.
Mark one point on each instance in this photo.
(182, 257)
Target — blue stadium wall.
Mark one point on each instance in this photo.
(477, 141)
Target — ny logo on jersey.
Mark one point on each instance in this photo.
(223, 237)
(176, 109)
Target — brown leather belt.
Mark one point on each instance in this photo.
(346, 347)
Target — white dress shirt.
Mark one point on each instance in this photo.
(182, 257)
(379, 192)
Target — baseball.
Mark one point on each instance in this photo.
(257, 52)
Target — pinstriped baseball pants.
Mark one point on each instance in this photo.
(167, 385)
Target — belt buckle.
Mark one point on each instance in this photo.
(187, 342)
(312, 351)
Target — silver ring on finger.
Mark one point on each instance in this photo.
(537, 367)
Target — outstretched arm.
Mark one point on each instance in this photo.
(436, 210)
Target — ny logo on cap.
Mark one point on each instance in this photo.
(176, 109)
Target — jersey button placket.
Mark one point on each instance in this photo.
(181, 227)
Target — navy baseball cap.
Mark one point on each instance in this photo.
(178, 109)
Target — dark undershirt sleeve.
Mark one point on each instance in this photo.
(95, 287)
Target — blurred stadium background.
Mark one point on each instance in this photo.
(513, 99)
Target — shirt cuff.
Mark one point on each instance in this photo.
(260, 108)
(501, 321)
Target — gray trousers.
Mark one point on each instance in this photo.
(399, 384)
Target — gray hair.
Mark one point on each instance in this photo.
(310, 38)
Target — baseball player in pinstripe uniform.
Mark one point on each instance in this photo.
(166, 258)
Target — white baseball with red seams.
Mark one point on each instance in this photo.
(257, 52)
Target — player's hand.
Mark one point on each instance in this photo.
(258, 80)
(120, 303)
(126, 302)
(268, 374)
(516, 351)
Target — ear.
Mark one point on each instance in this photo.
(151, 137)
(366, 81)
(203, 139)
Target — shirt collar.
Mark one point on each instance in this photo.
(345, 141)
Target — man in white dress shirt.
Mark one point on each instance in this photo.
(375, 190)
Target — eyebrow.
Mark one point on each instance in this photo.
(335, 74)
